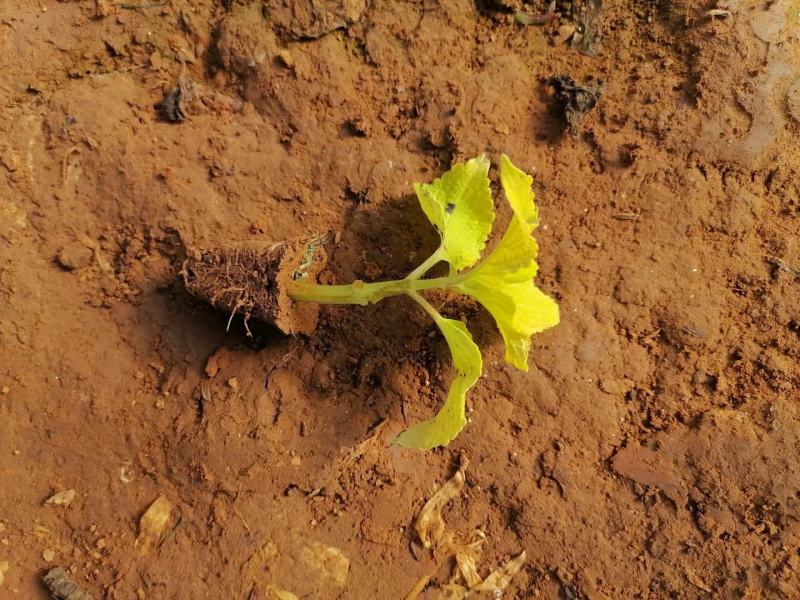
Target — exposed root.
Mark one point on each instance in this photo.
(251, 279)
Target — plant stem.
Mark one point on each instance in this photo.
(362, 293)
(357, 292)
(426, 305)
(426, 266)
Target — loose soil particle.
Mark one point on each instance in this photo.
(651, 449)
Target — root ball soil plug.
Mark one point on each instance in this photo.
(253, 279)
(278, 283)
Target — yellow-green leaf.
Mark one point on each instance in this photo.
(459, 204)
(451, 418)
(519, 308)
(503, 283)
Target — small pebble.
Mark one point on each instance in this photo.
(48, 555)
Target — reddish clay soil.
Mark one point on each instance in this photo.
(652, 450)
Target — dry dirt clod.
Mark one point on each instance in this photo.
(173, 107)
(575, 100)
(101, 9)
(63, 587)
(74, 256)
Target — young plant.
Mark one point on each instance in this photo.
(459, 204)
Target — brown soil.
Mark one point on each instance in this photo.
(252, 279)
(652, 451)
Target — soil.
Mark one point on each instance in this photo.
(652, 450)
(251, 279)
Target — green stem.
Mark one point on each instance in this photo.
(426, 266)
(362, 293)
(357, 292)
(426, 305)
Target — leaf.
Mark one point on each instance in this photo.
(499, 579)
(459, 204)
(161, 517)
(467, 557)
(520, 309)
(279, 594)
(63, 498)
(430, 524)
(451, 418)
(503, 282)
(422, 582)
(328, 561)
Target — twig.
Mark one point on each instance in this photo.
(136, 6)
(523, 18)
(784, 266)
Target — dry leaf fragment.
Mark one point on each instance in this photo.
(329, 561)
(454, 591)
(502, 576)
(418, 587)
(697, 581)
(63, 498)
(278, 594)
(564, 34)
(467, 557)
(718, 12)
(430, 525)
(161, 517)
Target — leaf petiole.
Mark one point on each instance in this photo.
(426, 266)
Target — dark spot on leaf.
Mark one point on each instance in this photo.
(450, 208)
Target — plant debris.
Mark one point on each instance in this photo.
(63, 498)
(160, 518)
(587, 16)
(279, 594)
(499, 579)
(575, 100)
(173, 107)
(524, 18)
(327, 560)
(430, 524)
(431, 530)
(418, 588)
(63, 587)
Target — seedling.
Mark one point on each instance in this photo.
(264, 282)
